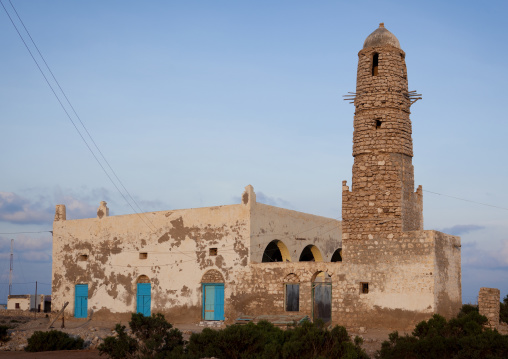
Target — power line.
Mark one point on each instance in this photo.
(67, 112)
(25, 232)
(74, 111)
(467, 200)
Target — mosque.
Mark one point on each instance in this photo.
(376, 267)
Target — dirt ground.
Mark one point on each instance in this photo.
(94, 331)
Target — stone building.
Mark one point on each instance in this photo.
(28, 302)
(377, 267)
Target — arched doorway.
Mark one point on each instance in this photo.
(143, 296)
(213, 295)
(322, 297)
(276, 251)
(311, 254)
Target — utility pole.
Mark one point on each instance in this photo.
(35, 311)
(10, 272)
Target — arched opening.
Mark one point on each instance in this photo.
(212, 276)
(322, 297)
(212, 285)
(375, 63)
(143, 279)
(311, 254)
(276, 251)
(143, 295)
(337, 255)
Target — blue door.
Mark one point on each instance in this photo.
(213, 301)
(144, 299)
(81, 301)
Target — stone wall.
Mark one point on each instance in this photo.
(488, 305)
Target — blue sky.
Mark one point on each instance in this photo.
(190, 101)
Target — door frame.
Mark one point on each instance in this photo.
(76, 296)
(138, 295)
(203, 285)
(313, 285)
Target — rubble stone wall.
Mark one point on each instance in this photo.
(488, 305)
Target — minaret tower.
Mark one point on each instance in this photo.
(382, 201)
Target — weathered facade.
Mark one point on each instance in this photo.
(377, 267)
(28, 302)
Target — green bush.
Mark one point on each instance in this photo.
(262, 340)
(467, 308)
(119, 347)
(52, 340)
(503, 310)
(154, 337)
(461, 337)
(265, 341)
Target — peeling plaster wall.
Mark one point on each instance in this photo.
(295, 229)
(24, 302)
(448, 289)
(177, 245)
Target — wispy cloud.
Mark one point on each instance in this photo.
(474, 256)
(29, 249)
(460, 229)
(272, 201)
(20, 210)
(37, 205)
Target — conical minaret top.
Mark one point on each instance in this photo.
(382, 198)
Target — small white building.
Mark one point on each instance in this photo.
(26, 302)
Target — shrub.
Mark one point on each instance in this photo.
(119, 347)
(52, 340)
(265, 341)
(262, 340)
(312, 340)
(503, 310)
(461, 337)
(467, 308)
(154, 337)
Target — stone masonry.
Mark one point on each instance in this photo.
(381, 199)
(488, 304)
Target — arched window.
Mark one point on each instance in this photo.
(276, 251)
(337, 255)
(311, 254)
(212, 276)
(375, 63)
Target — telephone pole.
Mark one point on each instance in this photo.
(10, 272)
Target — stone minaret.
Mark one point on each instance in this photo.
(382, 201)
